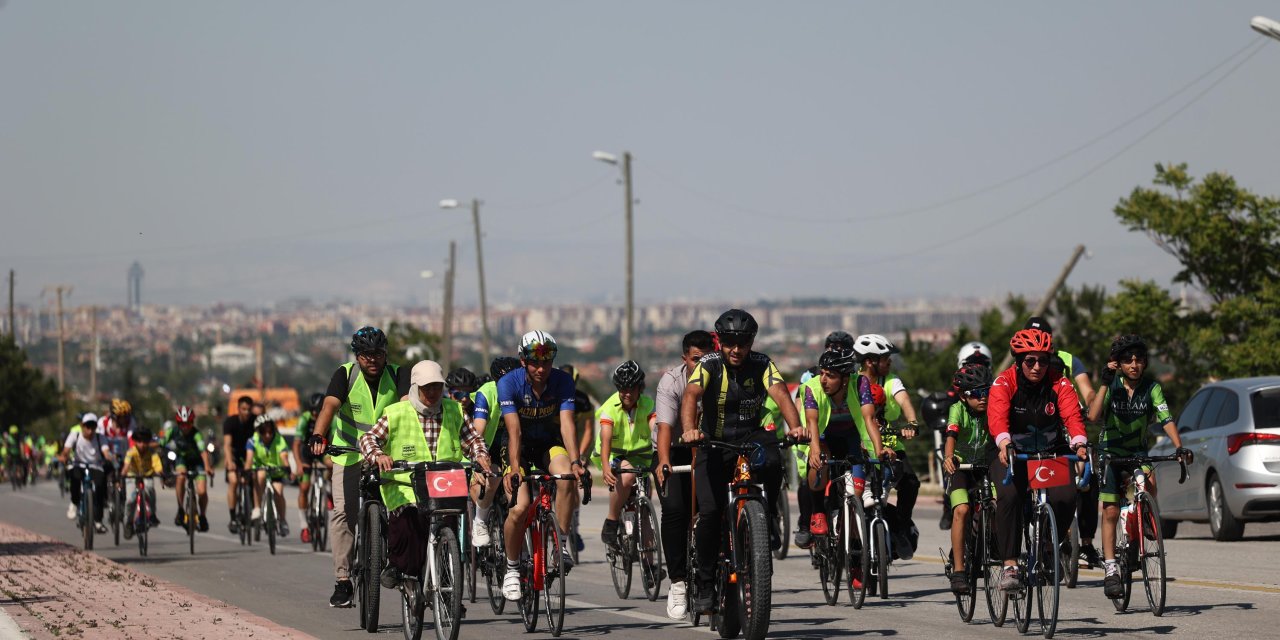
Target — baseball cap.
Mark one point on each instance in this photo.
(1037, 322)
(426, 372)
(89, 418)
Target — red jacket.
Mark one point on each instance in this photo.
(1063, 401)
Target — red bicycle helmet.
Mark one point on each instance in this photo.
(184, 415)
(1030, 340)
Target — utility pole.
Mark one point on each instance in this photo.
(629, 329)
(484, 309)
(13, 328)
(93, 357)
(1049, 296)
(262, 394)
(448, 306)
(60, 290)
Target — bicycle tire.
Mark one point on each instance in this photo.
(446, 584)
(528, 602)
(1022, 599)
(411, 607)
(858, 592)
(691, 571)
(755, 570)
(829, 569)
(881, 557)
(619, 568)
(114, 513)
(471, 554)
(87, 513)
(269, 516)
(494, 561)
(1151, 557)
(1126, 568)
(554, 573)
(1048, 570)
(650, 547)
(780, 521)
(192, 514)
(1071, 563)
(371, 568)
(972, 552)
(726, 619)
(997, 599)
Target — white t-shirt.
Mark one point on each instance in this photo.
(88, 451)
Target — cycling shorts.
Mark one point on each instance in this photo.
(277, 475)
(195, 466)
(959, 485)
(1116, 477)
(539, 454)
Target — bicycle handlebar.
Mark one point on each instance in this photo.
(1084, 476)
(1143, 459)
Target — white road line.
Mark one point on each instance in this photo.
(579, 604)
(27, 496)
(216, 536)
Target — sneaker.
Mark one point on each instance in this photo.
(284, 529)
(902, 547)
(609, 533)
(959, 584)
(306, 535)
(511, 585)
(257, 514)
(480, 534)
(234, 527)
(155, 522)
(944, 523)
(99, 527)
(804, 539)
(577, 542)
(204, 524)
(1112, 586)
(566, 561)
(1009, 580)
(702, 603)
(390, 577)
(179, 519)
(342, 593)
(818, 524)
(72, 511)
(128, 529)
(1089, 556)
(868, 498)
(677, 601)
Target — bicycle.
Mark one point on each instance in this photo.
(243, 514)
(371, 541)
(782, 518)
(979, 551)
(142, 511)
(269, 521)
(1040, 564)
(835, 554)
(318, 506)
(1139, 536)
(86, 514)
(189, 508)
(741, 596)
(471, 556)
(114, 511)
(540, 560)
(639, 539)
(491, 559)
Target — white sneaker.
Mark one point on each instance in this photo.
(868, 499)
(72, 511)
(511, 585)
(677, 602)
(257, 514)
(480, 534)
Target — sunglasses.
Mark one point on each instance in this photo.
(1035, 361)
(458, 395)
(978, 394)
(734, 341)
(371, 355)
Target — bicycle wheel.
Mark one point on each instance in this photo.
(193, 516)
(857, 556)
(972, 555)
(1022, 598)
(1124, 553)
(650, 551)
(755, 570)
(780, 520)
(880, 557)
(470, 554)
(372, 559)
(411, 607)
(619, 566)
(446, 584)
(829, 569)
(115, 512)
(1047, 571)
(528, 597)
(87, 516)
(1071, 559)
(997, 599)
(553, 572)
(726, 619)
(1151, 544)
(691, 571)
(314, 511)
(269, 517)
(493, 559)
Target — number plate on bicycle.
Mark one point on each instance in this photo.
(1046, 474)
(451, 483)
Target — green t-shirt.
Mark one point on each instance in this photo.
(266, 454)
(1124, 427)
(970, 432)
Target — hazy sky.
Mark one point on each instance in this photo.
(251, 151)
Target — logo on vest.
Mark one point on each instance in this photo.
(1050, 409)
(407, 451)
(356, 407)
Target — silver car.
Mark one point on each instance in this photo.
(1233, 427)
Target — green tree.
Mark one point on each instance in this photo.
(26, 394)
(1078, 327)
(401, 336)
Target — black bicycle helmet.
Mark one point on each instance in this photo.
(1128, 343)
(317, 401)
(141, 434)
(840, 339)
(368, 339)
(501, 365)
(736, 322)
(628, 375)
(972, 376)
(841, 360)
(461, 378)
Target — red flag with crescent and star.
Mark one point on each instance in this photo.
(1046, 474)
(447, 484)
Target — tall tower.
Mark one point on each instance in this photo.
(135, 286)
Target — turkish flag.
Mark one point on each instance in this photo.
(1046, 474)
(447, 484)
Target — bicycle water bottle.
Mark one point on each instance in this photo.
(1129, 516)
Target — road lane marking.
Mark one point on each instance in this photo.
(579, 604)
(1203, 583)
(216, 536)
(32, 498)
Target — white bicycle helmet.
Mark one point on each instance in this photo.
(971, 349)
(873, 344)
(538, 345)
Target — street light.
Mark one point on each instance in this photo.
(628, 328)
(1266, 26)
(484, 308)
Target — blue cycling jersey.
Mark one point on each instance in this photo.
(515, 395)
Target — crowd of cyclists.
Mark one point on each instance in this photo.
(722, 428)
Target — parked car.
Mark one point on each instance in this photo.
(1233, 427)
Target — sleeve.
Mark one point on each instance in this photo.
(1077, 367)
(131, 461)
(70, 441)
(895, 386)
(338, 385)
(700, 376)
(473, 440)
(402, 381)
(226, 426)
(771, 375)
(369, 442)
(157, 467)
(1069, 411)
(667, 402)
(566, 393)
(864, 391)
(481, 407)
(248, 445)
(810, 402)
(998, 411)
(955, 415)
(507, 394)
(1159, 405)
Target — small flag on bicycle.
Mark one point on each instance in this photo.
(447, 484)
(1046, 474)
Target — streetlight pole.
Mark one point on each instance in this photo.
(484, 305)
(628, 327)
(1266, 26)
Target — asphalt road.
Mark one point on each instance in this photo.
(1219, 589)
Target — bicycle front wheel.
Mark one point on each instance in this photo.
(780, 520)
(494, 559)
(371, 562)
(87, 516)
(754, 563)
(857, 551)
(880, 557)
(269, 519)
(619, 566)
(972, 555)
(1151, 552)
(1071, 559)
(115, 510)
(446, 582)
(997, 599)
(650, 551)
(411, 609)
(829, 569)
(1022, 597)
(193, 516)
(1046, 573)
(528, 595)
(554, 572)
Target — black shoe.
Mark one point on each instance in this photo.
(609, 533)
(959, 584)
(178, 520)
(1112, 586)
(1090, 556)
(804, 539)
(204, 524)
(342, 593)
(390, 577)
(702, 603)
(155, 522)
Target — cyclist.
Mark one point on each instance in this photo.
(1074, 369)
(584, 416)
(734, 381)
(1033, 407)
(829, 404)
(302, 453)
(875, 357)
(85, 446)
(966, 441)
(1128, 403)
(486, 401)
(973, 353)
(187, 443)
(142, 460)
(461, 385)
(236, 431)
(676, 489)
(427, 427)
(837, 339)
(358, 394)
(627, 421)
(267, 448)
(537, 409)
(117, 426)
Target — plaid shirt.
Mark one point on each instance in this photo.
(371, 442)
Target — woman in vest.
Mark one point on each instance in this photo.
(425, 428)
(627, 421)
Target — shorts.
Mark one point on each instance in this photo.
(958, 486)
(539, 452)
(196, 467)
(1116, 477)
(232, 465)
(844, 445)
(276, 476)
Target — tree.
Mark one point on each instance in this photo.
(1078, 326)
(26, 394)
(402, 337)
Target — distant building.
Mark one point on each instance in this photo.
(232, 356)
(135, 286)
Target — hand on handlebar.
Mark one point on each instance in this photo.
(511, 481)
(661, 474)
(1185, 455)
(317, 444)
(888, 454)
(695, 435)
(384, 462)
(1005, 453)
(815, 458)
(609, 477)
(949, 464)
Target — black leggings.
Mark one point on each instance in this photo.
(1087, 511)
(908, 488)
(712, 474)
(676, 513)
(99, 490)
(1011, 501)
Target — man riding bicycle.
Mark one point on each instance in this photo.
(731, 384)
(86, 447)
(627, 422)
(302, 453)
(187, 443)
(236, 431)
(537, 409)
(484, 417)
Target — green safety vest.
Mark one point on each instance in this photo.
(352, 420)
(814, 384)
(892, 411)
(268, 455)
(490, 392)
(405, 441)
(1068, 361)
(628, 439)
